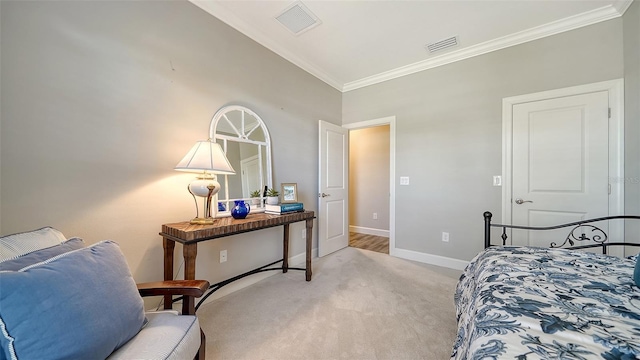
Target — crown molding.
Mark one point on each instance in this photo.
(553, 28)
(222, 13)
(622, 5)
(608, 12)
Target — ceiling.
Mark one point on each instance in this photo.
(359, 42)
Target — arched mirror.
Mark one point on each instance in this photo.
(245, 140)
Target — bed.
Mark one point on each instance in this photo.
(549, 303)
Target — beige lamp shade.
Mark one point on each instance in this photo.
(206, 156)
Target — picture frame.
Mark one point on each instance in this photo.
(289, 193)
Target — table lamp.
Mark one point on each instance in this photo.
(208, 159)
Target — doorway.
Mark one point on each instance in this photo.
(387, 172)
(561, 150)
(333, 220)
(369, 160)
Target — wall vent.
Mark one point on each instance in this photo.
(442, 44)
(297, 18)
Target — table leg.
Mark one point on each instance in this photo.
(189, 252)
(168, 246)
(309, 223)
(285, 249)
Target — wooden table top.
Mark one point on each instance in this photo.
(185, 233)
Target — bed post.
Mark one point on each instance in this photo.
(487, 229)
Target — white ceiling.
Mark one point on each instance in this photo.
(361, 42)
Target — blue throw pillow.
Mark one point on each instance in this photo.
(41, 255)
(636, 272)
(82, 304)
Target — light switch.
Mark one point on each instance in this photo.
(497, 180)
(404, 180)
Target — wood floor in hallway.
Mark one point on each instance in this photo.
(369, 242)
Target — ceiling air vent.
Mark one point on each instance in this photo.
(298, 18)
(442, 44)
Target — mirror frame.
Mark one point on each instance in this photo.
(242, 137)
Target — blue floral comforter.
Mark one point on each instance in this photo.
(536, 303)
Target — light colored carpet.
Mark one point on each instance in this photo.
(359, 305)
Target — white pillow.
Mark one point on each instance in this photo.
(12, 246)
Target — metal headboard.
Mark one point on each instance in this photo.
(578, 234)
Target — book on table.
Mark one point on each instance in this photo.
(283, 208)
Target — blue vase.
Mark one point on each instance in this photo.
(241, 210)
(221, 207)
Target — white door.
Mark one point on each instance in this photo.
(250, 176)
(333, 196)
(560, 164)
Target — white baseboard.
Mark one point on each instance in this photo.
(300, 259)
(430, 259)
(294, 261)
(368, 231)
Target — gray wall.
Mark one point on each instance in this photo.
(631, 20)
(449, 134)
(100, 100)
(369, 177)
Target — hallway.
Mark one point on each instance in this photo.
(369, 242)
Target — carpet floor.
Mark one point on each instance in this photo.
(359, 305)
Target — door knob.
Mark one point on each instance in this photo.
(520, 201)
(324, 195)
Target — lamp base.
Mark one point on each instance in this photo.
(204, 187)
(202, 221)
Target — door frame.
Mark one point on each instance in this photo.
(391, 121)
(615, 89)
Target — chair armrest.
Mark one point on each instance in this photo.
(195, 288)
(189, 289)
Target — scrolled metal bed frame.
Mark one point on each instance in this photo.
(581, 231)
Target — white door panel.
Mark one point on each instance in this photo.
(335, 219)
(553, 133)
(333, 198)
(560, 163)
(336, 166)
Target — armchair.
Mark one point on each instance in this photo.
(149, 337)
(70, 301)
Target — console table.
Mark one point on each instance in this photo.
(191, 234)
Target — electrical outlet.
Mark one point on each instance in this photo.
(375, 216)
(445, 236)
(223, 256)
(304, 234)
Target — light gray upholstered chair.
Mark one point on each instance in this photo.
(62, 299)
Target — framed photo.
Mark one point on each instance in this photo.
(289, 193)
